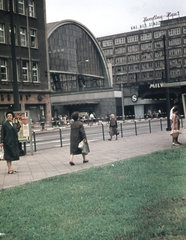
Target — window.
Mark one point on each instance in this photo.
(133, 48)
(108, 51)
(121, 68)
(3, 66)
(174, 31)
(146, 75)
(146, 36)
(133, 67)
(1, 4)
(159, 34)
(146, 65)
(174, 62)
(2, 33)
(176, 41)
(119, 40)
(107, 43)
(23, 40)
(14, 35)
(147, 55)
(173, 52)
(158, 54)
(159, 64)
(121, 78)
(21, 7)
(33, 42)
(31, 8)
(121, 59)
(120, 50)
(35, 72)
(145, 46)
(184, 30)
(132, 58)
(174, 72)
(25, 71)
(131, 39)
(8, 5)
(158, 44)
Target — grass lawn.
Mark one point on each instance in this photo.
(143, 198)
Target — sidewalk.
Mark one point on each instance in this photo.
(53, 162)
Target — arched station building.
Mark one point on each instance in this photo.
(79, 74)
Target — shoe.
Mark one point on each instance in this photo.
(109, 139)
(175, 144)
(71, 163)
(179, 143)
(85, 161)
(12, 172)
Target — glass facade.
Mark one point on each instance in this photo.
(75, 61)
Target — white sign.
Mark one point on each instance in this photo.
(155, 20)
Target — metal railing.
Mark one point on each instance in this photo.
(97, 132)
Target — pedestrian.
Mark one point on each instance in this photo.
(91, 119)
(9, 140)
(77, 134)
(176, 105)
(113, 127)
(43, 120)
(175, 127)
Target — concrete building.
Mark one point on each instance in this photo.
(138, 64)
(31, 58)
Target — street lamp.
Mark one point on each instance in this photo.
(167, 88)
(81, 80)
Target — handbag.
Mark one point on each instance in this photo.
(85, 149)
(175, 133)
(1, 153)
(81, 144)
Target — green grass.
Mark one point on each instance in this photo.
(143, 198)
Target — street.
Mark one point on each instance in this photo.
(54, 138)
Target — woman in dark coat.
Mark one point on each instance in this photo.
(113, 126)
(77, 134)
(9, 140)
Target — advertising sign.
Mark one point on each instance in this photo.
(22, 122)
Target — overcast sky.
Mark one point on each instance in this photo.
(108, 17)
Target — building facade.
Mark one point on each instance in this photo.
(29, 19)
(138, 64)
(79, 74)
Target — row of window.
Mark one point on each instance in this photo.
(144, 56)
(5, 36)
(147, 75)
(19, 7)
(143, 37)
(143, 46)
(147, 65)
(22, 71)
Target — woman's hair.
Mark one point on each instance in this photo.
(10, 112)
(175, 110)
(75, 116)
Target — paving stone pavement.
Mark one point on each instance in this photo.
(53, 162)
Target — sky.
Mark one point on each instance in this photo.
(109, 17)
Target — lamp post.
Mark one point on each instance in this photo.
(167, 88)
(87, 60)
(13, 50)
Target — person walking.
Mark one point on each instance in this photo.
(113, 127)
(176, 105)
(175, 127)
(77, 134)
(9, 140)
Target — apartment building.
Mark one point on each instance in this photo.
(29, 18)
(138, 64)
